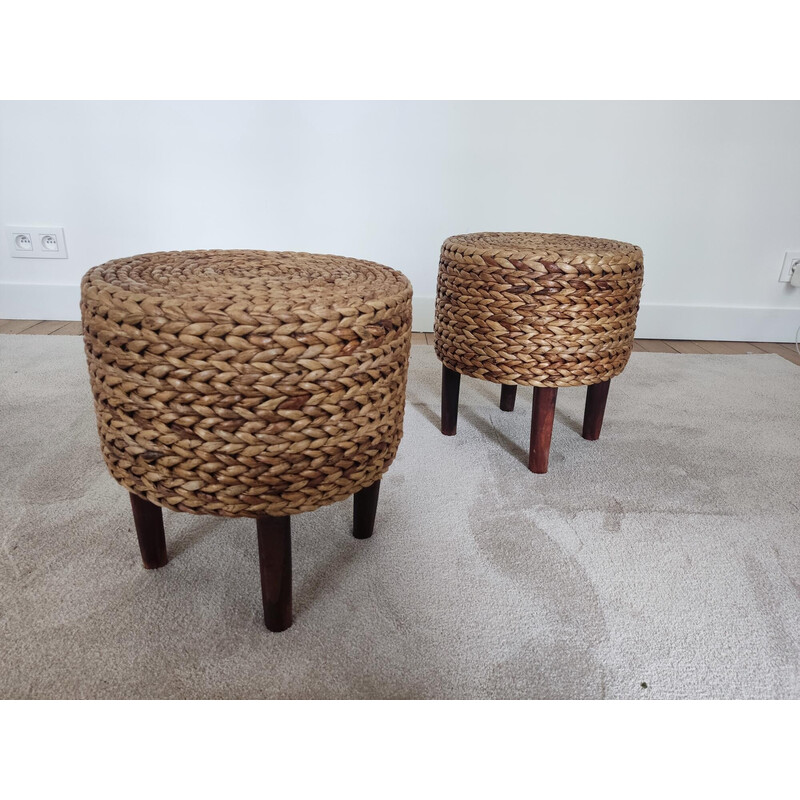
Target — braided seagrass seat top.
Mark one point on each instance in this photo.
(245, 383)
(537, 309)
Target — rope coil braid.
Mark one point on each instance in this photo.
(243, 383)
(537, 309)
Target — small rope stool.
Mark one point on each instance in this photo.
(534, 309)
(244, 383)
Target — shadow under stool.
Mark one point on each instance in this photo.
(542, 414)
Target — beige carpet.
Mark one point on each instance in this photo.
(667, 554)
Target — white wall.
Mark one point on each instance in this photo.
(710, 191)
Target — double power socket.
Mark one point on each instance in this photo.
(30, 242)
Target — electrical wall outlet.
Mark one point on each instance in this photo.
(27, 241)
(790, 268)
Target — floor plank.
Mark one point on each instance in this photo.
(418, 338)
(752, 347)
(656, 346)
(69, 329)
(17, 325)
(744, 348)
(715, 348)
(788, 346)
(687, 347)
(45, 328)
(730, 348)
(429, 338)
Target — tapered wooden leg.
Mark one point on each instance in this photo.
(365, 504)
(596, 396)
(451, 380)
(275, 560)
(508, 394)
(150, 531)
(544, 406)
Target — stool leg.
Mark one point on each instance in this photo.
(365, 504)
(451, 380)
(508, 394)
(544, 406)
(596, 396)
(275, 561)
(150, 532)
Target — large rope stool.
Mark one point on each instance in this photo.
(534, 309)
(244, 383)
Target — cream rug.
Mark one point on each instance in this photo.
(662, 561)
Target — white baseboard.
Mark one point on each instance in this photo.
(40, 301)
(716, 323)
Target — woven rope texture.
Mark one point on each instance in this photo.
(243, 383)
(537, 309)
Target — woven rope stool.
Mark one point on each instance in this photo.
(247, 384)
(534, 309)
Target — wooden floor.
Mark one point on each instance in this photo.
(39, 326)
(786, 350)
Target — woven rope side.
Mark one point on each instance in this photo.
(537, 309)
(236, 401)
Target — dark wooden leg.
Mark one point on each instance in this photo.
(275, 559)
(596, 396)
(150, 532)
(451, 380)
(544, 406)
(365, 504)
(508, 394)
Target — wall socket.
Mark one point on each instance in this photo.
(791, 267)
(27, 241)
